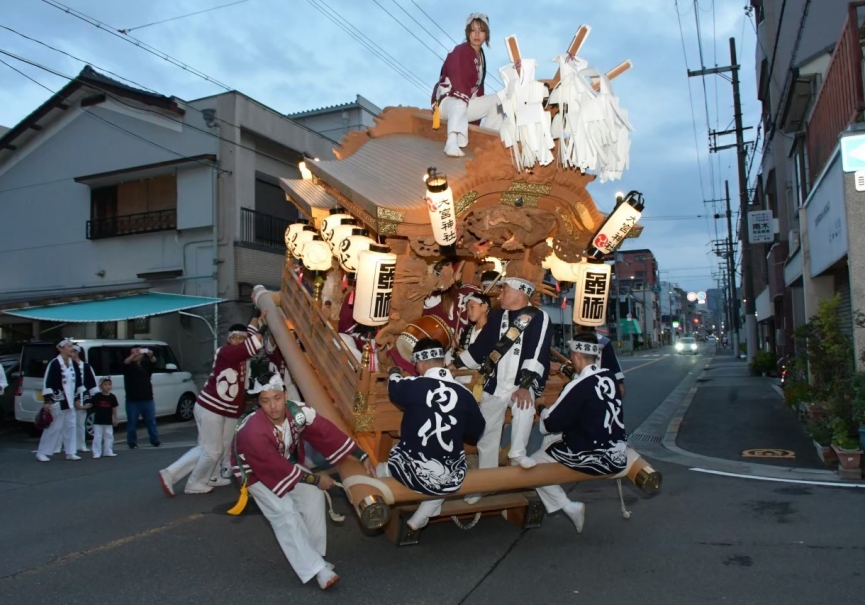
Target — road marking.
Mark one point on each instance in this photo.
(777, 479)
(648, 363)
(106, 547)
(768, 453)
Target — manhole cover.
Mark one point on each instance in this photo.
(768, 453)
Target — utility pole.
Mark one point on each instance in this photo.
(741, 153)
(733, 326)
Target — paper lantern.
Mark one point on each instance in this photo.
(304, 171)
(440, 204)
(316, 254)
(592, 293)
(339, 232)
(350, 249)
(328, 223)
(617, 226)
(296, 236)
(372, 294)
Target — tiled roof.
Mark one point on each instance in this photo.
(307, 195)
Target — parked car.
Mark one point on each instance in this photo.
(687, 344)
(174, 392)
(711, 339)
(10, 364)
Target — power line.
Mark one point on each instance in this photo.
(207, 10)
(120, 100)
(691, 98)
(164, 56)
(390, 14)
(434, 22)
(371, 46)
(113, 125)
(429, 33)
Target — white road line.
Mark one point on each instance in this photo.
(778, 480)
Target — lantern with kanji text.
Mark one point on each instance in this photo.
(440, 205)
(617, 225)
(592, 293)
(375, 274)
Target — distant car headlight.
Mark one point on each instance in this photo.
(694, 347)
(679, 346)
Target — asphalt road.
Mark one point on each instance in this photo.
(102, 532)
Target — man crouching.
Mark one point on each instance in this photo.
(438, 412)
(268, 456)
(584, 428)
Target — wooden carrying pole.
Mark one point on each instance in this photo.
(368, 501)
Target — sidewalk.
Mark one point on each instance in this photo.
(732, 412)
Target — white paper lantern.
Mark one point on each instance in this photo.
(592, 293)
(304, 171)
(350, 249)
(440, 204)
(328, 223)
(316, 255)
(341, 231)
(375, 274)
(296, 236)
(617, 226)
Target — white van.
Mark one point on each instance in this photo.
(173, 389)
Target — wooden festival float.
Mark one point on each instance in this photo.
(530, 219)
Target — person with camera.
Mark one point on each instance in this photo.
(137, 370)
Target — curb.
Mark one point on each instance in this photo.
(660, 430)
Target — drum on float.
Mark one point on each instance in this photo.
(428, 326)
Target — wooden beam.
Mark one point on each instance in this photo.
(576, 44)
(513, 50)
(617, 71)
(36, 127)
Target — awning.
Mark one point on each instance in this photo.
(114, 309)
(630, 326)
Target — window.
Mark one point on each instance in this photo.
(135, 207)
(639, 275)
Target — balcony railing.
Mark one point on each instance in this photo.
(841, 97)
(131, 224)
(262, 229)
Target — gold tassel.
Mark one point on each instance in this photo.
(478, 390)
(241, 501)
(437, 117)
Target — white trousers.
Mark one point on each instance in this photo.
(298, 522)
(553, 496)
(103, 440)
(63, 427)
(215, 433)
(80, 433)
(493, 410)
(425, 510)
(458, 114)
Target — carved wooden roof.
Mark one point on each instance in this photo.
(379, 179)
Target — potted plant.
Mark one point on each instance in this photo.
(821, 433)
(763, 364)
(846, 445)
(859, 404)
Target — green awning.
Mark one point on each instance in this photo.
(114, 309)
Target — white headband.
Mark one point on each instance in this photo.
(479, 17)
(238, 333)
(475, 298)
(428, 354)
(517, 283)
(585, 348)
(274, 384)
(63, 343)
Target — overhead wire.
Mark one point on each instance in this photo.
(207, 10)
(335, 17)
(120, 100)
(116, 126)
(164, 56)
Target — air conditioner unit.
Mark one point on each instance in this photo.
(793, 238)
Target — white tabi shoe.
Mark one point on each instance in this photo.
(84, 449)
(523, 461)
(220, 482)
(110, 454)
(43, 458)
(577, 513)
(73, 457)
(197, 489)
(452, 147)
(96, 456)
(326, 578)
(58, 450)
(167, 482)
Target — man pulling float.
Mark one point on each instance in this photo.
(268, 457)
